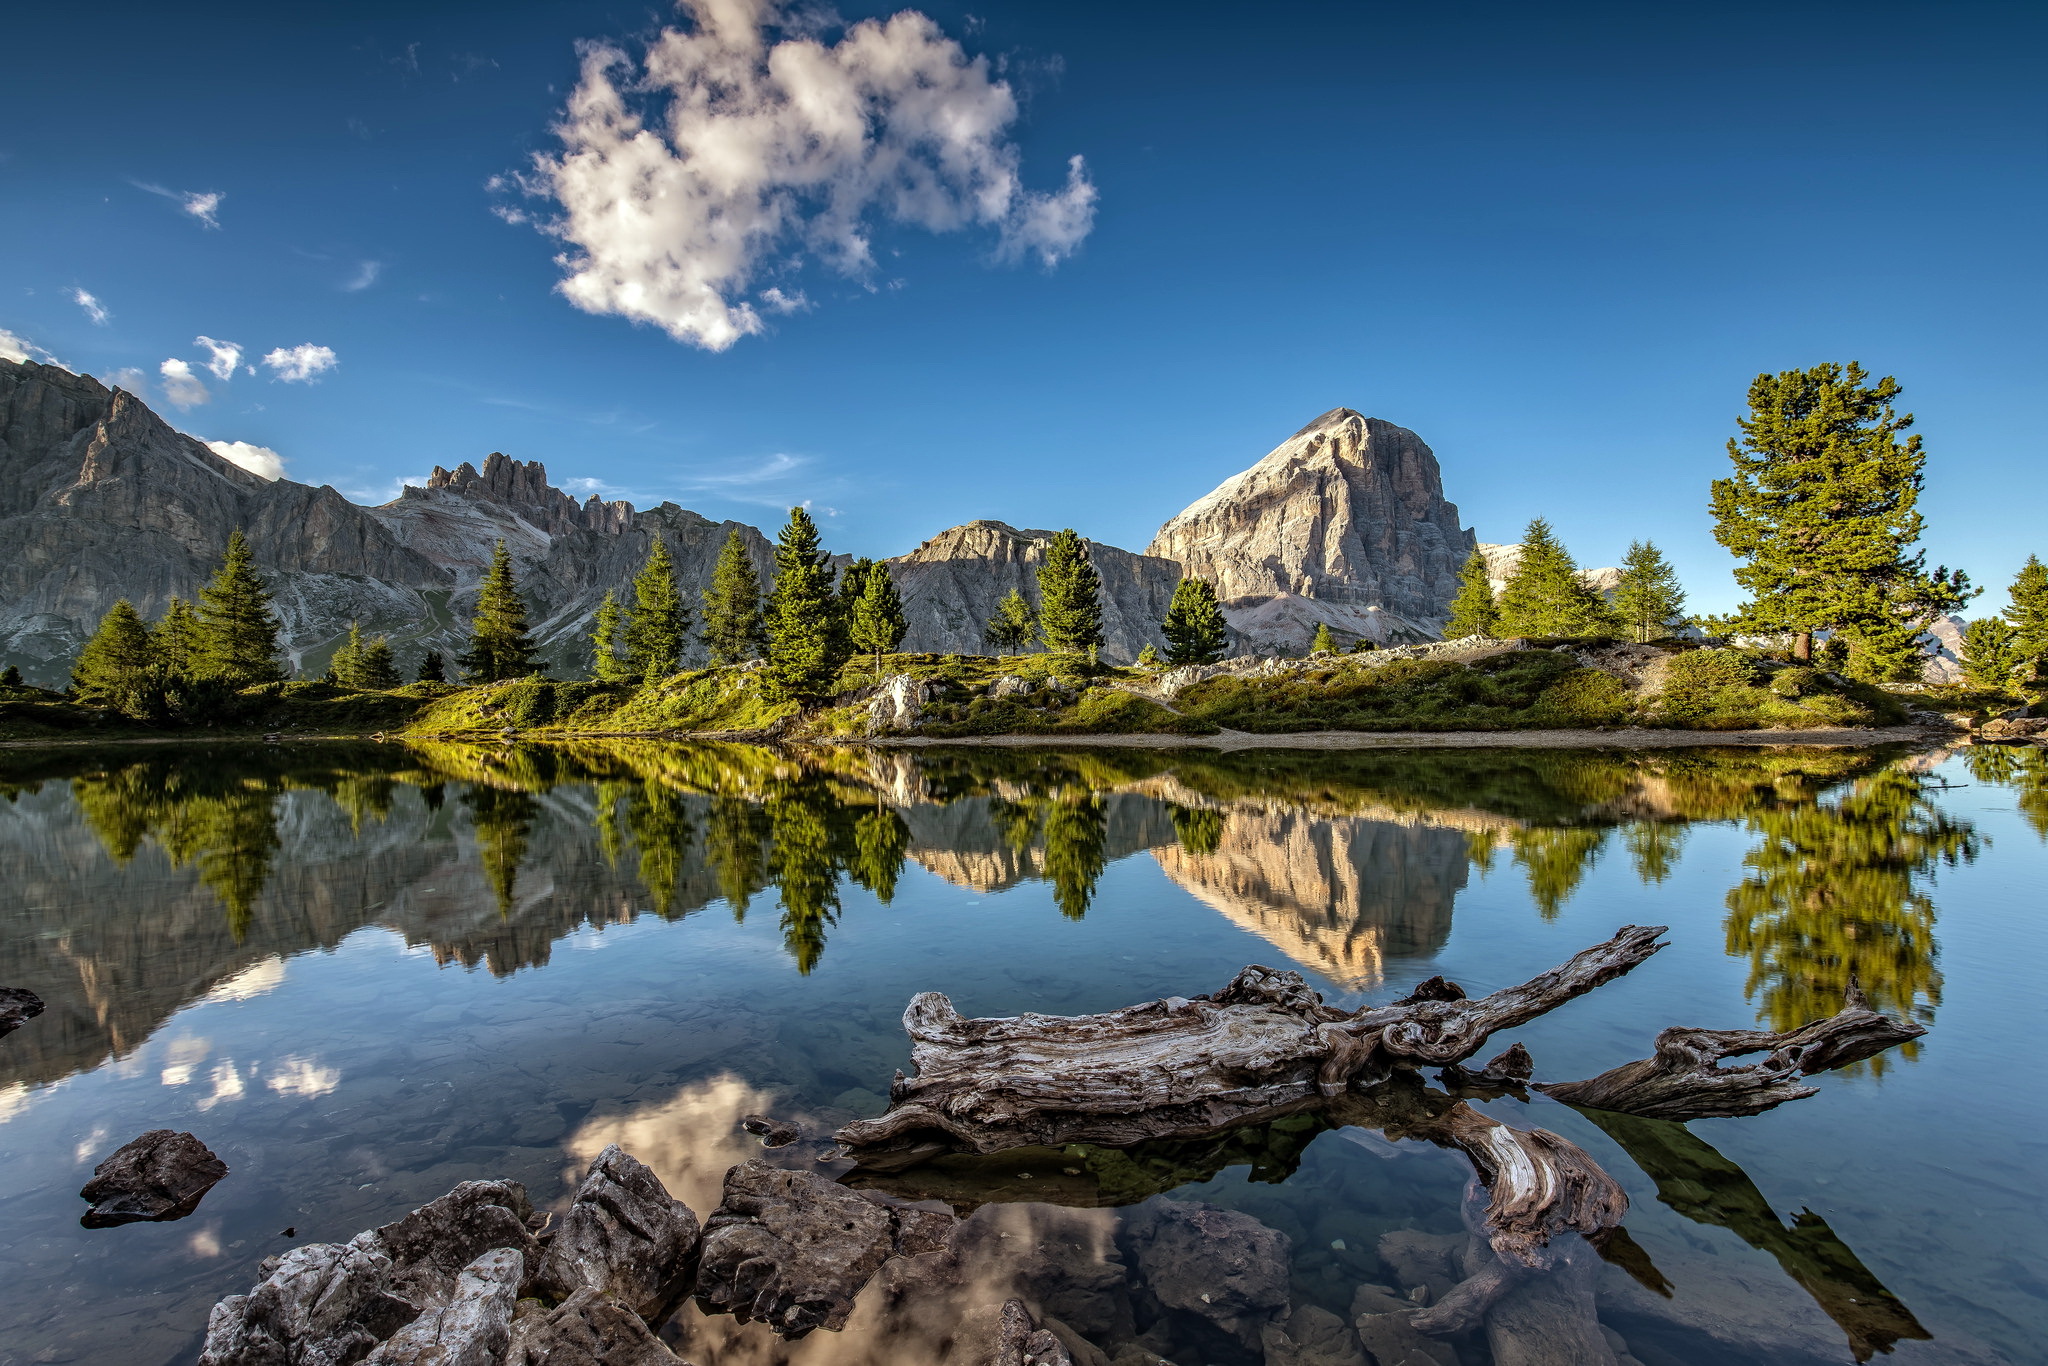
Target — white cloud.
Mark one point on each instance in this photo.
(301, 364)
(94, 309)
(224, 357)
(15, 347)
(365, 276)
(775, 301)
(182, 388)
(203, 205)
(261, 461)
(768, 148)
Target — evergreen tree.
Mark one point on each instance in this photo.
(118, 658)
(1323, 642)
(1195, 630)
(345, 666)
(1991, 653)
(1544, 595)
(2029, 611)
(238, 631)
(1148, 657)
(1822, 512)
(1473, 611)
(606, 663)
(802, 632)
(10, 677)
(732, 606)
(178, 638)
(877, 622)
(658, 623)
(1649, 600)
(499, 646)
(433, 669)
(1013, 627)
(1069, 597)
(376, 670)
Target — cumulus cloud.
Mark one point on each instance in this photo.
(300, 364)
(222, 357)
(94, 309)
(365, 276)
(260, 461)
(775, 301)
(182, 388)
(15, 347)
(744, 140)
(203, 205)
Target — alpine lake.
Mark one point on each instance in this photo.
(363, 972)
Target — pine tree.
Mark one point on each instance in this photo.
(1069, 597)
(1148, 657)
(376, 670)
(606, 663)
(238, 631)
(1323, 642)
(10, 677)
(178, 638)
(732, 606)
(499, 647)
(119, 657)
(1991, 653)
(1473, 611)
(1544, 595)
(1822, 512)
(658, 623)
(1013, 627)
(802, 631)
(346, 665)
(877, 622)
(1649, 600)
(1195, 630)
(433, 668)
(2029, 611)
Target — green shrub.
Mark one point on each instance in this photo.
(529, 703)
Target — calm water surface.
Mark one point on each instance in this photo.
(364, 973)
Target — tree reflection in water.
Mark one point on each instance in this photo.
(2024, 769)
(502, 818)
(218, 820)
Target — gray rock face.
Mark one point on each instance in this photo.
(1345, 522)
(159, 1176)
(625, 1236)
(472, 1329)
(584, 1330)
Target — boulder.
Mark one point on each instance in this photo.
(896, 705)
(1216, 1264)
(472, 1329)
(18, 1006)
(1312, 1336)
(1009, 685)
(159, 1176)
(773, 1133)
(1393, 1341)
(430, 1247)
(624, 1236)
(1019, 1341)
(586, 1329)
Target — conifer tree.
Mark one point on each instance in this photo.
(433, 668)
(1649, 600)
(802, 631)
(1544, 596)
(346, 665)
(1195, 630)
(2028, 613)
(733, 629)
(376, 670)
(1323, 642)
(119, 656)
(877, 622)
(1013, 627)
(178, 639)
(1822, 512)
(10, 677)
(607, 665)
(658, 622)
(499, 646)
(238, 631)
(1473, 611)
(1991, 653)
(1148, 657)
(1069, 597)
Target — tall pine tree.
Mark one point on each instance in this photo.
(658, 622)
(607, 663)
(2029, 610)
(375, 667)
(1069, 596)
(178, 638)
(1195, 630)
(1649, 600)
(1991, 653)
(118, 658)
(1544, 595)
(733, 630)
(1822, 511)
(433, 668)
(1473, 611)
(499, 646)
(342, 668)
(803, 633)
(237, 630)
(877, 622)
(1013, 627)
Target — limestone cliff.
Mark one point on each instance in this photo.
(1343, 523)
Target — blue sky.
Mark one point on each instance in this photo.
(1555, 241)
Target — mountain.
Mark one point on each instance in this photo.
(1503, 560)
(1344, 522)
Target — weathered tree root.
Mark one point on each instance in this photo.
(1186, 1067)
(1686, 1081)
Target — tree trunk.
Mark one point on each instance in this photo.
(1802, 647)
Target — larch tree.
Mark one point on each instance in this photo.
(1069, 597)
(658, 622)
(733, 629)
(2028, 613)
(803, 634)
(499, 645)
(237, 629)
(1649, 599)
(1544, 595)
(119, 656)
(1473, 611)
(1822, 512)
(1195, 630)
(877, 622)
(1322, 643)
(1013, 627)
(607, 640)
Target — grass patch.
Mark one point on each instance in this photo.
(1525, 690)
(1721, 689)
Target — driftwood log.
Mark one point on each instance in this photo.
(1185, 1067)
(1685, 1080)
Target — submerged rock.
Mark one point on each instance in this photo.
(159, 1176)
(625, 1236)
(18, 1005)
(1216, 1264)
(1020, 1342)
(773, 1133)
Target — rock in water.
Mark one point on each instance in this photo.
(1214, 1263)
(625, 1236)
(18, 1006)
(584, 1330)
(1345, 522)
(472, 1329)
(158, 1176)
